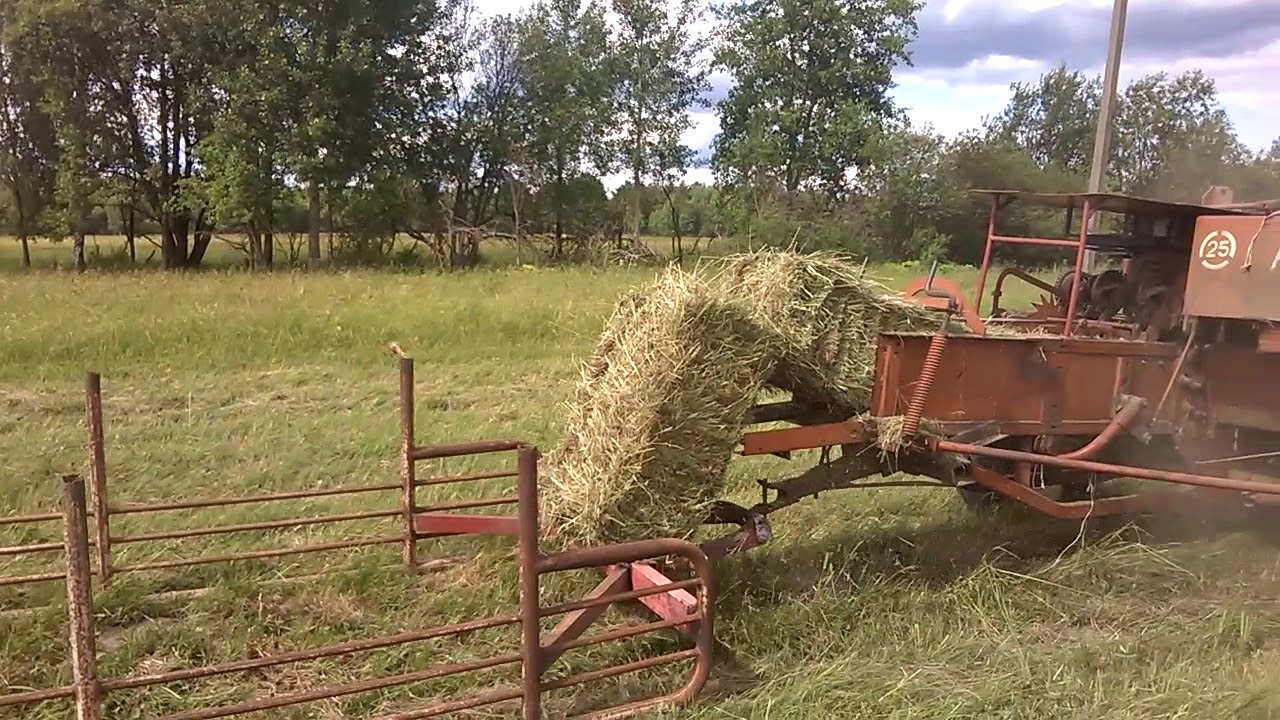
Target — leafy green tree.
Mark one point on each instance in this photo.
(1053, 120)
(812, 80)
(1173, 138)
(28, 147)
(659, 78)
(566, 86)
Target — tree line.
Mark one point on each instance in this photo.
(181, 124)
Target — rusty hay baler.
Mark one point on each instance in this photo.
(1159, 367)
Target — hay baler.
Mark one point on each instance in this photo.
(1161, 367)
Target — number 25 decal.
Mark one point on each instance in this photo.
(1217, 249)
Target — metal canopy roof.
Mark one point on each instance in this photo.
(1112, 202)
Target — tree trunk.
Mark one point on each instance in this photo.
(131, 234)
(77, 251)
(26, 251)
(635, 179)
(313, 223)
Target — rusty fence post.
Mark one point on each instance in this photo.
(530, 602)
(80, 599)
(408, 477)
(98, 475)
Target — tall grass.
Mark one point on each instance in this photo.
(893, 603)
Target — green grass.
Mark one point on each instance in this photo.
(889, 603)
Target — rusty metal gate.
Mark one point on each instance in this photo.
(684, 606)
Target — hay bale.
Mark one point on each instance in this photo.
(827, 314)
(663, 400)
(655, 417)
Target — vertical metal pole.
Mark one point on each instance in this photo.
(1075, 284)
(98, 475)
(1106, 113)
(530, 602)
(80, 598)
(408, 477)
(986, 256)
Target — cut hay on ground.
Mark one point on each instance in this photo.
(663, 400)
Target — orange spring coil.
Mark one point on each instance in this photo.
(928, 371)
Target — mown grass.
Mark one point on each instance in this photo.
(889, 603)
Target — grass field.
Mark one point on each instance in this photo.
(887, 604)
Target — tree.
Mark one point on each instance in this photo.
(812, 80)
(566, 85)
(1053, 120)
(28, 146)
(1173, 138)
(659, 78)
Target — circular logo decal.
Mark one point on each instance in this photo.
(1217, 249)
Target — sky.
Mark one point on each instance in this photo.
(968, 52)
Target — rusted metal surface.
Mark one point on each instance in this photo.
(259, 554)
(1234, 269)
(203, 503)
(484, 447)
(1124, 505)
(29, 519)
(80, 599)
(408, 436)
(944, 295)
(1240, 387)
(98, 475)
(1140, 473)
(676, 605)
(924, 384)
(1044, 384)
(681, 605)
(577, 621)
(1122, 422)
(530, 569)
(442, 524)
(1103, 202)
(998, 291)
(328, 651)
(288, 523)
(1073, 304)
(783, 440)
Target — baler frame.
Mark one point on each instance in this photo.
(1111, 396)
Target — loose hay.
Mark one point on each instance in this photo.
(663, 400)
(826, 313)
(660, 406)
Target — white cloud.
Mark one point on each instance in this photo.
(952, 100)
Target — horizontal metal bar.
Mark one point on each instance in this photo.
(609, 672)
(628, 596)
(327, 651)
(26, 519)
(247, 527)
(455, 479)
(492, 697)
(28, 579)
(37, 696)
(14, 550)
(247, 500)
(468, 505)
(634, 551)
(484, 447)
(353, 688)
(436, 525)
(622, 633)
(505, 694)
(259, 555)
(1051, 242)
(1205, 481)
